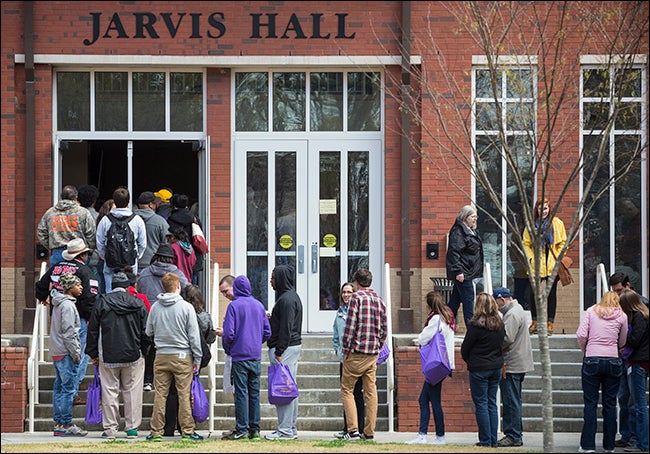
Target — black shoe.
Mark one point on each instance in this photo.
(235, 436)
(621, 443)
(507, 441)
(254, 435)
(367, 437)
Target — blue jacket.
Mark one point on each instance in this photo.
(246, 326)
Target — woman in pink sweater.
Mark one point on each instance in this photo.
(601, 334)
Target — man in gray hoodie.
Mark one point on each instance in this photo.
(174, 328)
(518, 358)
(155, 225)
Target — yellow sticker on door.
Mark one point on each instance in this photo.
(329, 240)
(286, 241)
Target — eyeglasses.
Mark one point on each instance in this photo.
(224, 292)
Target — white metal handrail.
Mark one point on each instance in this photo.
(390, 366)
(213, 309)
(36, 349)
(602, 284)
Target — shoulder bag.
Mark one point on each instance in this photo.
(434, 358)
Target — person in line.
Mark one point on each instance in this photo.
(482, 351)
(464, 261)
(164, 207)
(636, 350)
(245, 328)
(518, 357)
(184, 255)
(73, 261)
(150, 284)
(440, 318)
(347, 289)
(601, 334)
(116, 344)
(193, 295)
(155, 225)
(553, 240)
(64, 222)
(225, 288)
(104, 209)
(285, 343)
(182, 217)
(65, 349)
(365, 332)
(173, 326)
(619, 282)
(121, 198)
(87, 197)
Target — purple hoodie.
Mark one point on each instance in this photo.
(246, 326)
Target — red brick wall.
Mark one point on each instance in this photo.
(456, 400)
(14, 389)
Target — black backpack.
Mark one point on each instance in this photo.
(121, 249)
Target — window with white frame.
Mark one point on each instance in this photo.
(307, 101)
(613, 124)
(156, 100)
(504, 103)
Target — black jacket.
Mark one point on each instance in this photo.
(638, 338)
(286, 317)
(465, 253)
(122, 319)
(86, 301)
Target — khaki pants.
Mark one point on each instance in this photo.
(129, 379)
(164, 368)
(357, 365)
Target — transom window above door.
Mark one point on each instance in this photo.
(127, 101)
(307, 101)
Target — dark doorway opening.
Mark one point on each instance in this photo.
(156, 164)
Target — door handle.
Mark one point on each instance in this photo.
(301, 259)
(314, 257)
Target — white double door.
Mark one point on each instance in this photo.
(315, 205)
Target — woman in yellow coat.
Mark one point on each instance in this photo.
(552, 243)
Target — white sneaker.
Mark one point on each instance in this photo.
(585, 450)
(439, 440)
(421, 439)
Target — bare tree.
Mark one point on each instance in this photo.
(533, 50)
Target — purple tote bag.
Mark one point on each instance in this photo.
(282, 386)
(434, 358)
(94, 400)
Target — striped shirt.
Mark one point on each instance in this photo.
(366, 325)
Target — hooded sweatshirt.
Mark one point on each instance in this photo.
(121, 319)
(64, 327)
(157, 228)
(602, 336)
(246, 326)
(286, 317)
(150, 279)
(66, 221)
(173, 326)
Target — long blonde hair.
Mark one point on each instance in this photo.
(609, 303)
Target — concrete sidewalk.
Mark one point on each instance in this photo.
(563, 441)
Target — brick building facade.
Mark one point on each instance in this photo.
(209, 152)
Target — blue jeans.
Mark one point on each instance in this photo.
(626, 410)
(600, 374)
(463, 292)
(512, 407)
(56, 255)
(288, 414)
(83, 364)
(637, 381)
(483, 385)
(246, 379)
(108, 276)
(65, 382)
(431, 393)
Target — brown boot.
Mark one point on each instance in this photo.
(532, 329)
(549, 328)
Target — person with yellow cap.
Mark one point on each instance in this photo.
(164, 208)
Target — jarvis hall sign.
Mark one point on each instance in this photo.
(197, 26)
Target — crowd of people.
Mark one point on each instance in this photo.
(144, 325)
